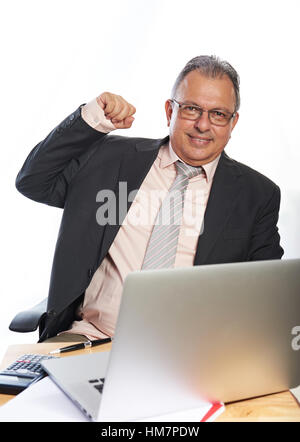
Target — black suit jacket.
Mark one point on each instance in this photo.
(75, 162)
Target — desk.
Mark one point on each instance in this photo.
(276, 407)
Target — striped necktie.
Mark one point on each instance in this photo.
(162, 246)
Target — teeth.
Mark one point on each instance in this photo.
(201, 139)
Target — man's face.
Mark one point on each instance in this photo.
(199, 142)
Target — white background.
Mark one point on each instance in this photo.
(58, 54)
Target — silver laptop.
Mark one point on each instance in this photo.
(216, 332)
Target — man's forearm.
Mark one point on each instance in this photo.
(52, 164)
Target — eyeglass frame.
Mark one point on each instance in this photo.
(203, 110)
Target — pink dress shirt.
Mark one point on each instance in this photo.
(98, 313)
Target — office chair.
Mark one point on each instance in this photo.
(31, 319)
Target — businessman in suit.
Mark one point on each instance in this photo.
(103, 183)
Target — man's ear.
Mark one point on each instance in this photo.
(169, 111)
(235, 120)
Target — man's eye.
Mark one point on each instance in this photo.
(191, 109)
(218, 114)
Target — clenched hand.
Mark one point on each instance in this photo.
(117, 110)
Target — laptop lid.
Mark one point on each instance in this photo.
(218, 332)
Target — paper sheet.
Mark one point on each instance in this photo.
(45, 402)
(42, 401)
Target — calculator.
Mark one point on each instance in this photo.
(23, 372)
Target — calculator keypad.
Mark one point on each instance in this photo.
(27, 364)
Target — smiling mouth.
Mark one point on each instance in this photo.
(200, 140)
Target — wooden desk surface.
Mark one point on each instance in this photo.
(280, 407)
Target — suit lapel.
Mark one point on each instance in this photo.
(134, 167)
(223, 195)
(137, 164)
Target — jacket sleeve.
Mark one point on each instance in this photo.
(265, 240)
(52, 164)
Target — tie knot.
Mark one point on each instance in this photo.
(187, 170)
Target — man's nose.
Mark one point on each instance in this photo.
(203, 123)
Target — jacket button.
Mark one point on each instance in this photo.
(90, 273)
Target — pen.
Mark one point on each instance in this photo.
(81, 345)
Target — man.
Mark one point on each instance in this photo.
(79, 165)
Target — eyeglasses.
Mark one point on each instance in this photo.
(217, 117)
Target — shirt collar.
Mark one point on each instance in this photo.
(168, 156)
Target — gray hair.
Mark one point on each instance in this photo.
(213, 67)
